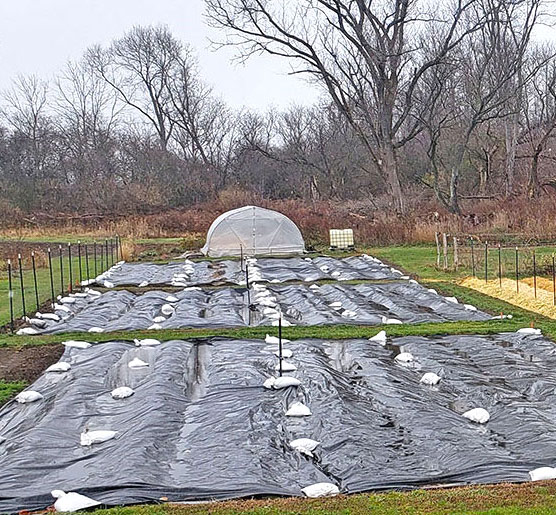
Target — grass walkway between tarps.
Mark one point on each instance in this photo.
(515, 499)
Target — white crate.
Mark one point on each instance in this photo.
(341, 238)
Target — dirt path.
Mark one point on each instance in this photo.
(27, 363)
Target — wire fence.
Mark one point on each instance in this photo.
(34, 281)
(500, 262)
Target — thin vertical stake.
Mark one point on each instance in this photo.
(474, 272)
(22, 287)
(486, 261)
(61, 269)
(11, 294)
(516, 270)
(500, 264)
(95, 258)
(553, 282)
(51, 276)
(87, 263)
(535, 273)
(70, 269)
(280, 342)
(35, 280)
(80, 269)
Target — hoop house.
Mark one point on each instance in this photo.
(256, 230)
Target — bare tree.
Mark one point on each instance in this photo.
(365, 53)
(138, 67)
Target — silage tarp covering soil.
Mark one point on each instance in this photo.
(336, 303)
(201, 426)
(189, 273)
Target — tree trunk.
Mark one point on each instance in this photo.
(511, 146)
(389, 166)
(533, 186)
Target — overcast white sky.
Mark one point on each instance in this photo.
(39, 36)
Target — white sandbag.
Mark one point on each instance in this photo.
(321, 490)
(286, 367)
(379, 338)
(325, 268)
(307, 259)
(275, 281)
(159, 319)
(478, 415)
(28, 396)
(275, 339)
(147, 342)
(529, 330)
(286, 353)
(347, 313)
(67, 300)
(143, 284)
(154, 327)
(108, 284)
(470, 307)
(269, 383)
(61, 366)
(89, 438)
(432, 290)
(123, 392)
(430, 378)
(314, 287)
(61, 307)
(137, 363)
(171, 298)
(453, 300)
(285, 382)
(542, 474)
(79, 295)
(51, 316)
(390, 321)
(298, 409)
(27, 331)
(336, 273)
(76, 344)
(38, 322)
(167, 309)
(404, 357)
(304, 446)
(95, 330)
(335, 305)
(71, 501)
(285, 323)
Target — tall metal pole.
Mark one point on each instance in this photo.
(280, 342)
(87, 263)
(80, 269)
(473, 258)
(51, 276)
(516, 270)
(70, 269)
(62, 289)
(500, 264)
(11, 294)
(535, 273)
(35, 280)
(22, 287)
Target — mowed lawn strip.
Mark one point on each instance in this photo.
(507, 499)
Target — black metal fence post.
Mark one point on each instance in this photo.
(61, 270)
(500, 264)
(517, 269)
(535, 273)
(87, 263)
(247, 284)
(95, 258)
(553, 281)
(51, 276)
(473, 259)
(80, 268)
(70, 269)
(121, 248)
(35, 280)
(486, 261)
(112, 243)
(22, 287)
(11, 294)
(280, 342)
(106, 254)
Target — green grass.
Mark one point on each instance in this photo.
(507, 499)
(10, 389)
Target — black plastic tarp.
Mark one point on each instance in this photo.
(189, 273)
(200, 426)
(361, 304)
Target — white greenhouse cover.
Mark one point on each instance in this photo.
(257, 230)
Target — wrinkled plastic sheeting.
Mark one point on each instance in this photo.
(200, 426)
(361, 304)
(272, 269)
